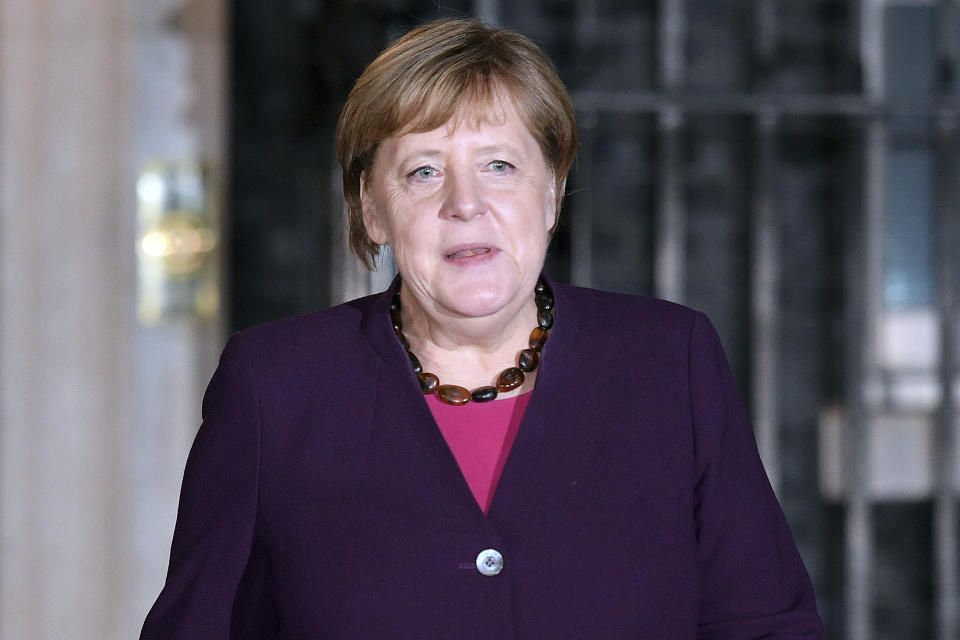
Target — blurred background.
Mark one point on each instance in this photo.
(789, 167)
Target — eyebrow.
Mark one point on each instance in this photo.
(426, 154)
(493, 148)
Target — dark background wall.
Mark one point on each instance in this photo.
(295, 60)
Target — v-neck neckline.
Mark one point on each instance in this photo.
(481, 437)
(379, 331)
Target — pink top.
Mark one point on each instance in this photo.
(480, 435)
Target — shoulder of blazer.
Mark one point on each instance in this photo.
(610, 314)
(329, 336)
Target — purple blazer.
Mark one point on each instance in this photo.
(320, 500)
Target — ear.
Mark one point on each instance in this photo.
(372, 221)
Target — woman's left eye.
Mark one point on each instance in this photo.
(500, 166)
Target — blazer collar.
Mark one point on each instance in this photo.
(378, 330)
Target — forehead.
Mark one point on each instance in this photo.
(494, 122)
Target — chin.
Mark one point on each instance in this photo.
(484, 299)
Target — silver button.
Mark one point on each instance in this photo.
(489, 562)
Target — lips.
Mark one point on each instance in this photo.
(468, 253)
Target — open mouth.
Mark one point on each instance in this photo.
(468, 253)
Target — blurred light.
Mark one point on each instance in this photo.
(154, 244)
(150, 189)
(177, 266)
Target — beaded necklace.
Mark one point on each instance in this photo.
(508, 380)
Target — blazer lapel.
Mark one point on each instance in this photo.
(556, 443)
(410, 471)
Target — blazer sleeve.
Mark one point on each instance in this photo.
(215, 561)
(752, 581)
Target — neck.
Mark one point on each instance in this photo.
(470, 352)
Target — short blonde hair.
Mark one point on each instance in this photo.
(419, 82)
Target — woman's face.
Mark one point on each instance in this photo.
(467, 209)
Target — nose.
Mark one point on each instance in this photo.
(463, 198)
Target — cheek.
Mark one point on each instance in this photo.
(533, 238)
(539, 223)
(395, 213)
(412, 237)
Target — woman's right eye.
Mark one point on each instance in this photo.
(424, 172)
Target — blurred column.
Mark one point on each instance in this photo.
(96, 413)
(487, 11)
(765, 271)
(945, 432)
(671, 233)
(178, 92)
(864, 309)
(587, 33)
(765, 260)
(945, 543)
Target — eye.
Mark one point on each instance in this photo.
(423, 173)
(500, 166)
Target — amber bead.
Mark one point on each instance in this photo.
(404, 341)
(452, 394)
(544, 301)
(538, 337)
(417, 367)
(528, 360)
(545, 320)
(510, 379)
(428, 382)
(484, 394)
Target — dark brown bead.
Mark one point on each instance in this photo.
(510, 379)
(452, 394)
(544, 301)
(540, 287)
(396, 320)
(545, 320)
(395, 303)
(538, 337)
(528, 360)
(417, 367)
(428, 382)
(404, 341)
(484, 394)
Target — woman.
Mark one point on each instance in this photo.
(351, 476)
